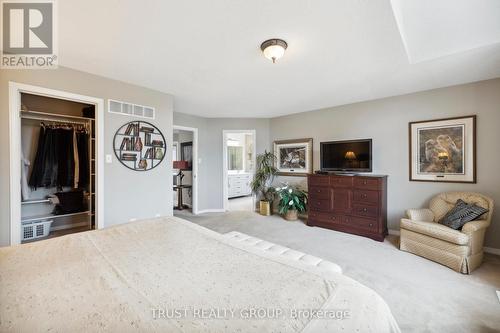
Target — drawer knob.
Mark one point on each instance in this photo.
(364, 195)
(319, 191)
(334, 218)
(347, 220)
(365, 182)
(371, 224)
(365, 209)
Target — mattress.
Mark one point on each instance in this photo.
(171, 275)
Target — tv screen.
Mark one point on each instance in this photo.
(353, 155)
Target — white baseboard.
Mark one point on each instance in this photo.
(69, 226)
(394, 232)
(215, 210)
(492, 250)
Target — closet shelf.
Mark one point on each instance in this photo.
(50, 216)
(35, 201)
(53, 115)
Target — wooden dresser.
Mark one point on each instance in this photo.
(353, 204)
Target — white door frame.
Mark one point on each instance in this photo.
(224, 161)
(15, 90)
(195, 164)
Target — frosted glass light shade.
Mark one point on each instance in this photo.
(274, 49)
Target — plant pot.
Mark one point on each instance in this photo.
(291, 215)
(265, 208)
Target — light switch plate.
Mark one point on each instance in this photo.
(498, 295)
(109, 158)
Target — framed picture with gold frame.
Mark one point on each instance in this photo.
(294, 157)
(443, 150)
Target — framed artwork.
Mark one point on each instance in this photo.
(443, 150)
(187, 154)
(294, 157)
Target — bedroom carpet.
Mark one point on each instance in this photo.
(423, 296)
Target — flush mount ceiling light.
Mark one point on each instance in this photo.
(273, 49)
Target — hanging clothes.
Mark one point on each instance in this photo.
(35, 180)
(77, 161)
(82, 139)
(65, 158)
(25, 189)
(61, 159)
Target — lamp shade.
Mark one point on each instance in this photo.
(350, 155)
(181, 165)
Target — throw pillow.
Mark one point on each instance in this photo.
(461, 214)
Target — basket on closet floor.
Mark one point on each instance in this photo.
(33, 230)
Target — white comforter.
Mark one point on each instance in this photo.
(170, 275)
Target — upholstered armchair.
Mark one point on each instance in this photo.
(461, 250)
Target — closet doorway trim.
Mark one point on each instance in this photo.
(15, 90)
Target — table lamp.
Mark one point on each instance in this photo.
(181, 165)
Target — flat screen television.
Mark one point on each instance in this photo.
(346, 156)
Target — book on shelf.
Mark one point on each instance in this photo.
(132, 129)
(157, 143)
(147, 129)
(147, 139)
(149, 153)
(125, 144)
(128, 157)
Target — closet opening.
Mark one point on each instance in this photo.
(58, 167)
(32, 108)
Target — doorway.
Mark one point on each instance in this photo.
(239, 153)
(185, 170)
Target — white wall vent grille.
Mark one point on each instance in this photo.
(129, 109)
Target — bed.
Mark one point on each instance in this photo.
(170, 275)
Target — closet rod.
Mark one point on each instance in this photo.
(55, 115)
(54, 120)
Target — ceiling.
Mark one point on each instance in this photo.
(206, 53)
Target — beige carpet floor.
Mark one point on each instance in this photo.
(423, 296)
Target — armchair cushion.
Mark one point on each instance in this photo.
(436, 230)
(422, 214)
(461, 214)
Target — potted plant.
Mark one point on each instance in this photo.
(261, 184)
(292, 201)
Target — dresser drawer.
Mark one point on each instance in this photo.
(319, 180)
(344, 181)
(361, 223)
(366, 183)
(320, 204)
(364, 210)
(367, 196)
(325, 217)
(319, 193)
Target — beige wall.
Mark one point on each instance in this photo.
(386, 121)
(127, 194)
